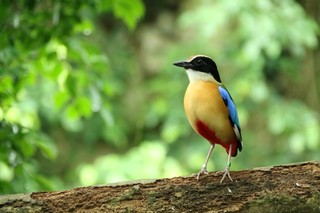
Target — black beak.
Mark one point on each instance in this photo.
(184, 64)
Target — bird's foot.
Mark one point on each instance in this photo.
(226, 172)
(203, 171)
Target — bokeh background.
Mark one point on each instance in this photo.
(89, 95)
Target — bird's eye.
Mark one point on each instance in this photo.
(199, 62)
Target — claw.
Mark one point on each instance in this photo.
(204, 166)
(226, 172)
(203, 171)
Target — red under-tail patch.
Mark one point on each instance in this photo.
(210, 135)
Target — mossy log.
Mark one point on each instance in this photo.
(285, 188)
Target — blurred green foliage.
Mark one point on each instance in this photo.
(89, 96)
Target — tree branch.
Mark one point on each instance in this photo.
(286, 188)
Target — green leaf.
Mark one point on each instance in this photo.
(27, 147)
(60, 99)
(47, 147)
(128, 11)
(6, 173)
(84, 106)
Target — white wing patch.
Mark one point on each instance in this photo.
(237, 132)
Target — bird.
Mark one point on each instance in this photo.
(210, 109)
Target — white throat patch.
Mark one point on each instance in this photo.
(200, 76)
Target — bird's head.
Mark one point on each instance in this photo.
(200, 67)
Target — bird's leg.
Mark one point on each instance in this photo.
(227, 170)
(204, 166)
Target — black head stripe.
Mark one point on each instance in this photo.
(207, 65)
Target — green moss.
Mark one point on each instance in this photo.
(152, 196)
(129, 194)
(285, 203)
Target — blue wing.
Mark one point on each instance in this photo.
(233, 115)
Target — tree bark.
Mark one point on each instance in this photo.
(285, 188)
